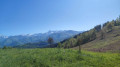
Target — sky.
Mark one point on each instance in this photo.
(39, 16)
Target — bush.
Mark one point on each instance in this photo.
(5, 47)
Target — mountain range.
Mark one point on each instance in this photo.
(36, 38)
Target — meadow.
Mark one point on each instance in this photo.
(54, 57)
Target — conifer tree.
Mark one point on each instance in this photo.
(50, 41)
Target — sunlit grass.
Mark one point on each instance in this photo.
(53, 57)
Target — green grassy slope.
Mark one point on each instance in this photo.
(111, 42)
(52, 57)
(101, 38)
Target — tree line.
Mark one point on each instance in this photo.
(91, 34)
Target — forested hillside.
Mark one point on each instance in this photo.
(104, 37)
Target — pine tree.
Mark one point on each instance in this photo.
(50, 41)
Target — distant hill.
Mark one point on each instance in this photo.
(32, 45)
(34, 38)
(101, 38)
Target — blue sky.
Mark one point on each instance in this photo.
(39, 16)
